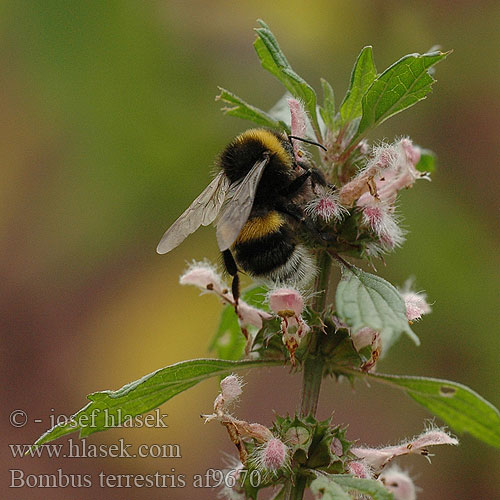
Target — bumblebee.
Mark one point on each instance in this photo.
(257, 196)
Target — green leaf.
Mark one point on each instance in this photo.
(241, 109)
(367, 486)
(363, 75)
(113, 408)
(228, 342)
(327, 111)
(326, 489)
(400, 86)
(273, 60)
(427, 162)
(460, 407)
(365, 300)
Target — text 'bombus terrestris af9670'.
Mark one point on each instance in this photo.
(257, 197)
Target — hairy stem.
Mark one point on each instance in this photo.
(313, 365)
(311, 385)
(295, 491)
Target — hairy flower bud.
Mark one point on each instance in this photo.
(359, 469)
(231, 388)
(399, 483)
(326, 206)
(204, 276)
(380, 218)
(416, 305)
(274, 454)
(270, 457)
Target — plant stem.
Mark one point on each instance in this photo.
(296, 491)
(313, 365)
(311, 385)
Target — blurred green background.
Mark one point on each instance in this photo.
(108, 131)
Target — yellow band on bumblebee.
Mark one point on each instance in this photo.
(258, 227)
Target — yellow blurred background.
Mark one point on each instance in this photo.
(108, 131)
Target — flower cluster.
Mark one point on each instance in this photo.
(259, 449)
(370, 193)
(346, 207)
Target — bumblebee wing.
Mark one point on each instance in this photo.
(202, 211)
(237, 210)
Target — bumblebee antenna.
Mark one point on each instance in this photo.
(308, 141)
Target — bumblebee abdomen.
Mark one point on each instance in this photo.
(266, 247)
(259, 227)
(264, 243)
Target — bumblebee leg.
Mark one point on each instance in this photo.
(317, 175)
(232, 269)
(296, 184)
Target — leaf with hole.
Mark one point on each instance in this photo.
(459, 406)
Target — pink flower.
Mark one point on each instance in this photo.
(231, 388)
(379, 217)
(363, 337)
(402, 173)
(359, 469)
(249, 315)
(326, 206)
(286, 299)
(288, 303)
(412, 152)
(399, 483)
(204, 276)
(363, 183)
(378, 458)
(416, 305)
(270, 457)
(368, 337)
(391, 169)
(274, 454)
